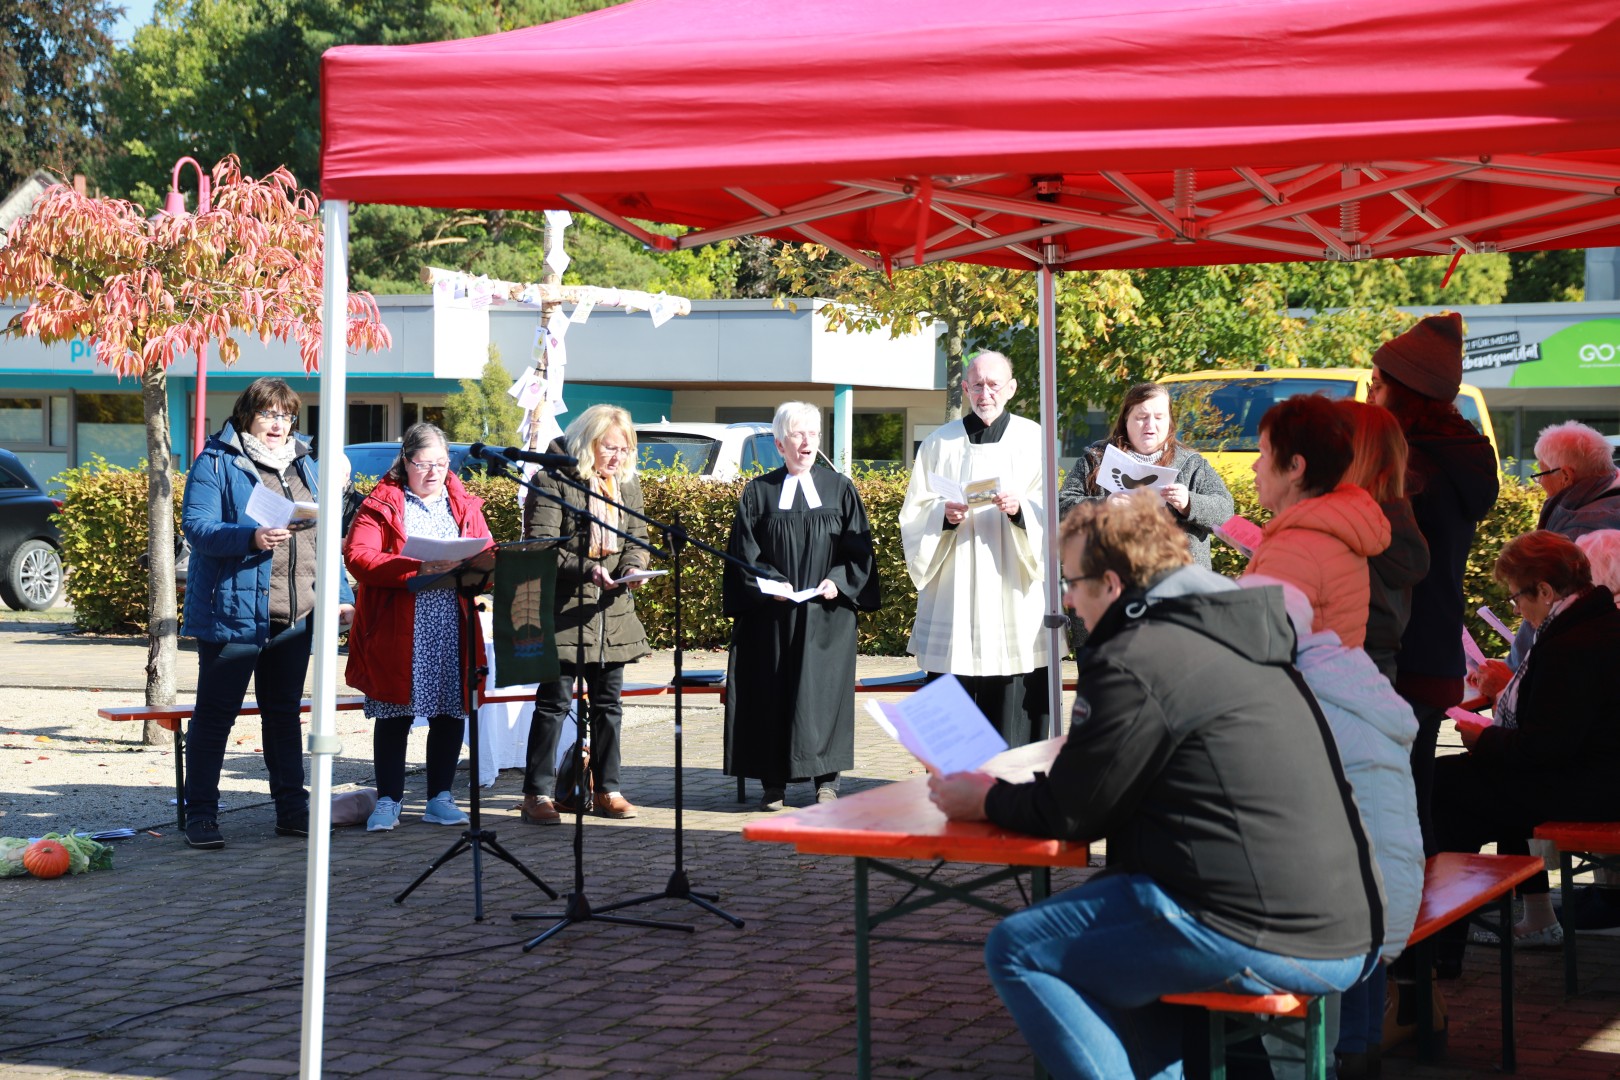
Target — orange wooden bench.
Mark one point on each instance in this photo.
(1595, 844)
(172, 717)
(1455, 886)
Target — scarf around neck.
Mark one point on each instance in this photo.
(278, 459)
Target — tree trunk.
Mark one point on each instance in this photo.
(953, 369)
(163, 624)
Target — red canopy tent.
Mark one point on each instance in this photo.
(1047, 135)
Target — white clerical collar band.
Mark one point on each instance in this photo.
(799, 482)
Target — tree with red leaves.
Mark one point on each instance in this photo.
(143, 291)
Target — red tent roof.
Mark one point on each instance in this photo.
(1114, 132)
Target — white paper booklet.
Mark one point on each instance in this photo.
(1496, 624)
(783, 589)
(430, 550)
(1473, 657)
(1118, 472)
(941, 726)
(278, 512)
(974, 494)
(639, 575)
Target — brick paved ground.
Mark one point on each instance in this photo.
(204, 950)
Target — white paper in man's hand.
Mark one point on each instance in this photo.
(946, 488)
(1119, 472)
(637, 575)
(784, 590)
(941, 726)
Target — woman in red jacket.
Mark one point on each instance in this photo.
(405, 650)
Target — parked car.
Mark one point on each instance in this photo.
(713, 451)
(30, 546)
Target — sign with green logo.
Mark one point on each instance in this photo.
(1586, 354)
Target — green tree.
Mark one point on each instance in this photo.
(1541, 277)
(53, 70)
(482, 411)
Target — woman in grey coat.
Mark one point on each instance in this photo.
(1146, 431)
(593, 605)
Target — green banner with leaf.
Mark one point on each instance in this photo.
(525, 631)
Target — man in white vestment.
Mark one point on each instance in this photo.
(977, 554)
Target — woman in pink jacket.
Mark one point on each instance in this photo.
(1322, 531)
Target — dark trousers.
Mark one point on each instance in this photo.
(223, 671)
(603, 682)
(1429, 720)
(389, 737)
(1015, 705)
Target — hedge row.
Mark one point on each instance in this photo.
(103, 524)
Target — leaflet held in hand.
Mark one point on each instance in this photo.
(428, 549)
(639, 575)
(1241, 533)
(784, 590)
(975, 493)
(277, 512)
(1120, 472)
(941, 726)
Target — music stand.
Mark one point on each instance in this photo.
(469, 579)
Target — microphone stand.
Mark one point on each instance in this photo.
(577, 906)
(678, 886)
(469, 579)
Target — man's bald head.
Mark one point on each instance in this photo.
(988, 384)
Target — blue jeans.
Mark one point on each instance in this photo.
(277, 671)
(1082, 974)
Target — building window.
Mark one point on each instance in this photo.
(111, 425)
(877, 439)
(22, 421)
(415, 412)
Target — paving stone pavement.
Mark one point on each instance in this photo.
(201, 953)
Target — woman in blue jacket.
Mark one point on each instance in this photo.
(250, 590)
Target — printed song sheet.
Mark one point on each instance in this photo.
(941, 726)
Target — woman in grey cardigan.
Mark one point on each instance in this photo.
(1146, 431)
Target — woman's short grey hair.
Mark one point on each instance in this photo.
(791, 414)
(417, 437)
(1574, 446)
(1603, 552)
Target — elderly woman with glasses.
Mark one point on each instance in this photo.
(1553, 750)
(406, 652)
(250, 591)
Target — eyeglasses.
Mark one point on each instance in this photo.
(283, 417)
(1545, 472)
(1065, 583)
(428, 466)
(991, 388)
(1513, 598)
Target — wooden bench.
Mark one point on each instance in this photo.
(172, 718)
(1595, 844)
(1455, 887)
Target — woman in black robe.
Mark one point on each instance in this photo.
(790, 699)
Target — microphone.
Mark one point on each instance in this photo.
(517, 453)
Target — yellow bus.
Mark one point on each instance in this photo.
(1218, 412)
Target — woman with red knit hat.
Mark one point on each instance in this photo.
(1452, 481)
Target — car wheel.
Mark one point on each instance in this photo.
(33, 579)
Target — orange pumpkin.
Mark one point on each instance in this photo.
(46, 859)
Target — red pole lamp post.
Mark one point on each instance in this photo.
(175, 206)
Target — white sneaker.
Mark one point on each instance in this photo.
(442, 810)
(385, 817)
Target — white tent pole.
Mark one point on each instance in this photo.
(1055, 622)
(323, 740)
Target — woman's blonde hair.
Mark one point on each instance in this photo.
(589, 427)
(1379, 464)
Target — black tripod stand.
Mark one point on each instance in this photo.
(469, 580)
(679, 887)
(577, 906)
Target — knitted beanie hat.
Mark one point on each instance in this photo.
(1427, 358)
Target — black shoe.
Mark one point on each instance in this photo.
(293, 826)
(204, 834)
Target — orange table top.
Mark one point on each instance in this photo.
(897, 821)
(1596, 837)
